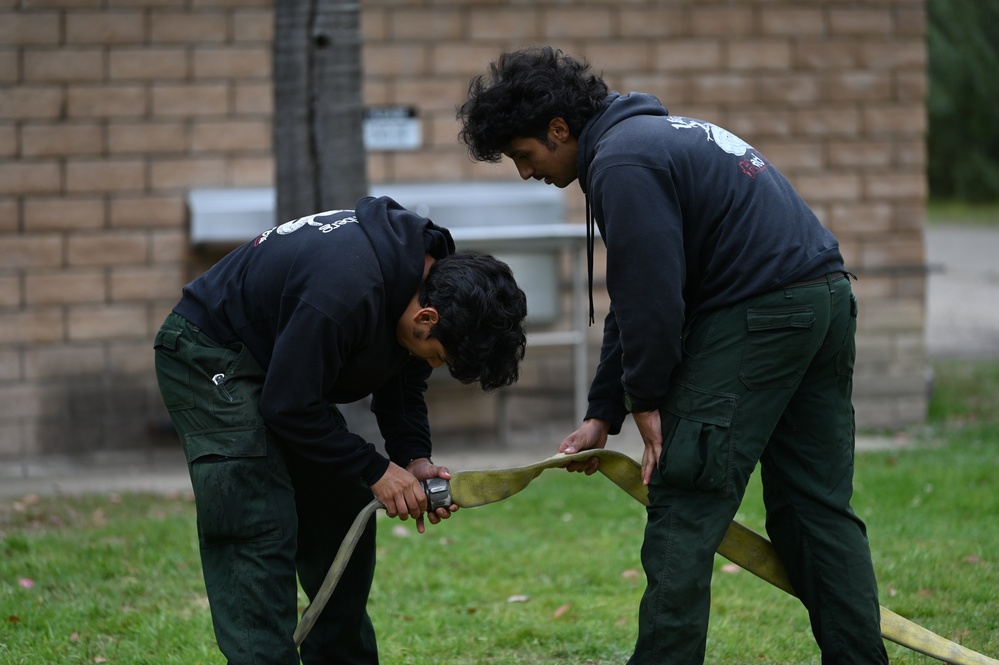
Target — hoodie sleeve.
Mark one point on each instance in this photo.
(401, 411)
(308, 353)
(638, 210)
(606, 397)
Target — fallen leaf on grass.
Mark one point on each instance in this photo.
(26, 500)
(730, 568)
(13, 618)
(399, 531)
(518, 599)
(26, 583)
(630, 574)
(561, 610)
(971, 558)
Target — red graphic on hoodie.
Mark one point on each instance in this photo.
(753, 165)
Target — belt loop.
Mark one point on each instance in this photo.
(829, 281)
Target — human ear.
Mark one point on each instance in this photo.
(558, 130)
(427, 315)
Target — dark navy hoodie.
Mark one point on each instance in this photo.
(316, 302)
(693, 219)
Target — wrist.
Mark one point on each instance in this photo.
(600, 424)
(417, 462)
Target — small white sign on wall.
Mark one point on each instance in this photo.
(391, 128)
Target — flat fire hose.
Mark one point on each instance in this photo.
(742, 546)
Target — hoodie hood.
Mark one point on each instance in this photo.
(619, 107)
(395, 242)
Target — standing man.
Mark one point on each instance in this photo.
(730, 340)
(322, 310)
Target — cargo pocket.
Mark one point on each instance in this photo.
(778, 345)
(237, 381)
(172, 373)
(233, 478)
(697, 443)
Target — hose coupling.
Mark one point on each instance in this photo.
(438, 491)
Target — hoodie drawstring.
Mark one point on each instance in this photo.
(589, 254)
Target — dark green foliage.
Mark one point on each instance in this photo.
(963, 105)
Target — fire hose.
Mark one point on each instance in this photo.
(742, 546)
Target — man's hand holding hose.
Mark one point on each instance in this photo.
(593, 435)
(401, 492)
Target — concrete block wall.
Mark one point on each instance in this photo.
(111, 110)
(109, 113)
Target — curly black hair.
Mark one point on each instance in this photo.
(481, 318)
(522, 93)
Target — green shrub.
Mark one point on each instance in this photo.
(963, 142)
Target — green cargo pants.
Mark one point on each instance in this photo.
(263, 514)
(769, 380)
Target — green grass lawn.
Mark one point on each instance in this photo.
(551, 575)
(959, 212)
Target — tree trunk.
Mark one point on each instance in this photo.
(318, 113)
(318, 107)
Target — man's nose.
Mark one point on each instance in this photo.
(526, 172)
